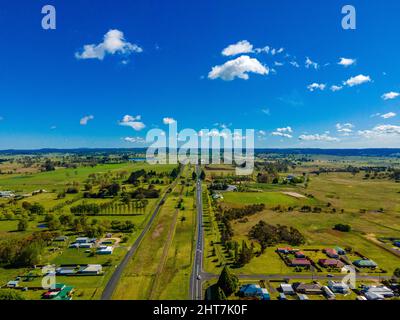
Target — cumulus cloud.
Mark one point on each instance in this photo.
(113, 43)
(134, 139)
(240, 47)
(311, 64)
(168, 120)
(344, 128)
(388, 115)
(345, 62)
(318, 137)
(390, 95)
(381, 131)
(294, 64)
(357, 80)
(335, 88)
(316, 86)
(283, 132)
(239, 67)
(133, 122)
(84, 121)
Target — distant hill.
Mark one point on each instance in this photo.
(371, 152)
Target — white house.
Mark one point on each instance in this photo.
(92, 269)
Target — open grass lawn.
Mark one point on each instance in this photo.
(142, 269)
(59, 178)
(177, 270)
(269, 198)
(162, 265)
(353, 193)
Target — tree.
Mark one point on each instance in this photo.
(342, 227)
(220, 295)
(22, 225)
(227, 282)
(194, 175)
(10, 294)
(202, 175)
(396, 273)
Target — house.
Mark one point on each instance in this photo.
(61, 292)
(302, 297)
(105, 250)
(331, 253)
(284, 250)
(7, 194)
(91, 269)
(287, 288)
(365, 263)
(82, 240)
(331, 263)
(217, 196)
(308, 288)
(338, 287)
(254, 291)
(86, 245)
(282, 296)
(231, 188)
(13, 284)
(74, 245)
(373, 296)
(299, 255)
(300, 263)
(361, 298)
(328, 293)
(374, 291)
(340, 251)
(107, 242)
(397, 243)
(60, 239)
(65, 271)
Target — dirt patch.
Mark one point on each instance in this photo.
(157, 232)
(294, 195)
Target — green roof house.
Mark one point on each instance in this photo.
(365, 263)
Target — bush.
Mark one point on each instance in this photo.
(342, 227)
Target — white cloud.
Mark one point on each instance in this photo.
(276, 51)
(345, 62)
(133, 122)
(344, 128)
(266, 111)
(113, 42)
(278, 64)
(262, 133)
(283, 132)
(335, 88)
(316, 86)
(381, 131)
(318, 137)
(85, 120)
(357, 80)
(239, 67)
(294, 64)
(390, 95)
(311, 64)
(240, 47)
(388, 115)
(134, 139)
(168, 120)
(265, 49)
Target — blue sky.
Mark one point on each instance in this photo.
(155, 60)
